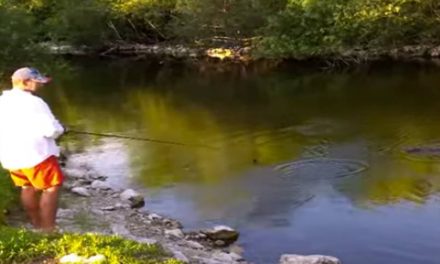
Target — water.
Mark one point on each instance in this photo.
(307, 163)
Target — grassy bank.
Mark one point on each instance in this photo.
(21, 246)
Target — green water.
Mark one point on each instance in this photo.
(303, 162)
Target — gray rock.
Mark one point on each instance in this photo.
(144, 240)
(97, 184)
(122, 205)
(219, 243)
(108, 208)
(225, 257)
(174, 233)
(224, 233)
(137, 202)
(81, 191)
(312, 259)
(236, 249)
(65, 213)
(435, 52)
(172, 224)
(209, 261)
(235, 256)
(194, 244)
(128, 194)
(154, 217)
(135, 199)
(120, 229)
(75, 173)
(180, 256)
(98, 177)
(97, 211)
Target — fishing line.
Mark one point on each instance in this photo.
(140, 139)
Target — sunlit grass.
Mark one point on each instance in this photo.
(21, 246)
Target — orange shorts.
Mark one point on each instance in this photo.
(42, 176)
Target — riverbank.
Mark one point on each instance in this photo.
(247, 56)
(89, 204)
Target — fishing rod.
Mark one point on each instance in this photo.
(139, 139)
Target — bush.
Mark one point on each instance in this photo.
(322, 27)
(17, 33)
(140, 20)
(218, 18)
(81, 22)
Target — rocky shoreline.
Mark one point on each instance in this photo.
(90, 204)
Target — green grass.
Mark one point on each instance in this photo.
(8, 195)
(21, 246)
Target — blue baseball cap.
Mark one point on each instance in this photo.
(28, 73)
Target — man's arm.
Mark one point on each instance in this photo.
(49, 125)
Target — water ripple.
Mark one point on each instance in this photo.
(322, 168)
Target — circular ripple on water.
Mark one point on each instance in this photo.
(322, 168)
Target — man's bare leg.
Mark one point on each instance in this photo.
(48, 208)
(29, 199)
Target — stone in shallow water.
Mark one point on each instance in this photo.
(137, 202)
(128, 194)
(312, 259)
(223, 233)
(135, 199)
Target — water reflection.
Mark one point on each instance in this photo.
(260, 122)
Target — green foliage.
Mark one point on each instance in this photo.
(20, 246)
(80, 22)
(141, 20)
(316, 26)
(221, 18)
(16, 35)
(284, 27)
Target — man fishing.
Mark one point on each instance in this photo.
(28, 149)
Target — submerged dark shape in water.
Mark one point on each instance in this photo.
(423, 150)
(423, 153)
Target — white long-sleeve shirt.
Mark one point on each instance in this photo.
(28, 130)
